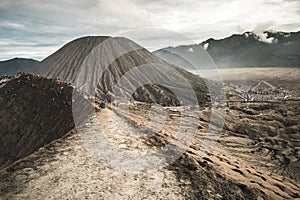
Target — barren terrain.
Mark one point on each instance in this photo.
(281, 77)
(259, 161)
(55, 146)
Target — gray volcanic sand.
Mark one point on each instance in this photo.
(241, 166)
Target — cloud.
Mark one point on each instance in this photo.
(260, 29)
(34, 24)
(205, 46)
(125, 12)
(56, 23)
(263, 37)
(190, 50)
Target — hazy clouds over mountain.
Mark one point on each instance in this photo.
(260, 49)
(36, 29)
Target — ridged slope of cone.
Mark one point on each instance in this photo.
(96, 64)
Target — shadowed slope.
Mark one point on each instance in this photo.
(34, 111)
(243, 50)
(65, 62)
(97, 64)
(15, 65)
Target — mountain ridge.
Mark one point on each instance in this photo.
(15, 65)
(97, 63)
(266, 49)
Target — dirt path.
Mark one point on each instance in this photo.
(67, 169)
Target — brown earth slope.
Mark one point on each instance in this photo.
(273, 134)
(65, 169)
(34, 111)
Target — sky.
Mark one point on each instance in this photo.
(36, 29)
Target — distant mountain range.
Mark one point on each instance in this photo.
(268, 49)
(15, 65)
